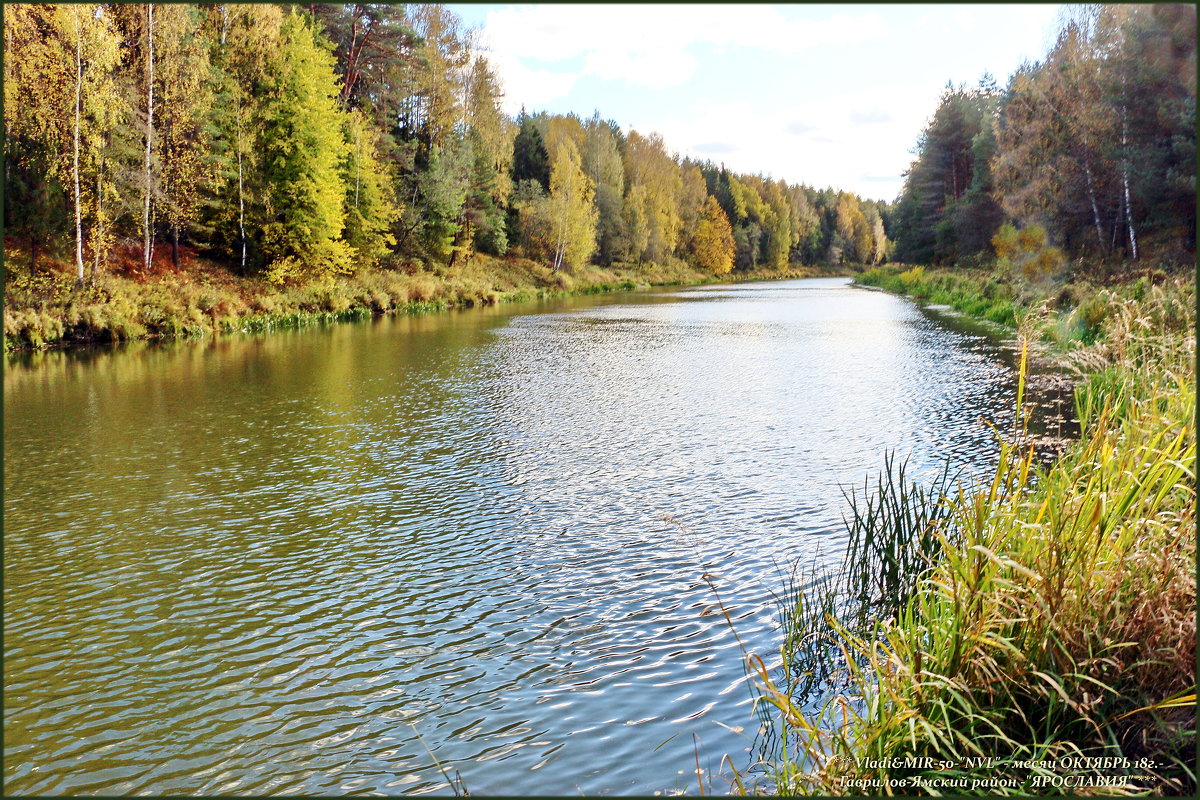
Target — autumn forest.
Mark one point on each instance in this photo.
(297, 143)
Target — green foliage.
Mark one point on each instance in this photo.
(443, 191)
(371, 210)
(992, 646)
(374, 135)
(305, 150)
(946, 212)
(530, 160)
(973, 294)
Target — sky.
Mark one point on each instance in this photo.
(826, 95)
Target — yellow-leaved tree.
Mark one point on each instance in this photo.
(571, 208)
(713, 242)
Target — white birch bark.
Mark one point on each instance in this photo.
(1133, 249)
(78, 114)
(241, 193)
(147, 253)
(1087, 171)
(561, 251)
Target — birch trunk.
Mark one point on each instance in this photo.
(1133, 249)
(147, 253)
(241, 197)
(78, 114)
(561, 251)
(1087, 171)
(100, 231)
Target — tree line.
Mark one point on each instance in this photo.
(1088, 154)
(310, 140)
(300, 141)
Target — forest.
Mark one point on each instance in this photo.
(294, 143)
(1093, 149)
(301, 142)
(363, 558)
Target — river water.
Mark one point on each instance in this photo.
(313, 562)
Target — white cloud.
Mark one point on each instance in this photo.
(524, 86)
(844, 108)
(648, 45)
(657, 70)
(816, 142)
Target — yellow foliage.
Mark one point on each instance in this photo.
(713, 245)
(1027, 250)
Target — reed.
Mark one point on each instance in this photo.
(1047, 614)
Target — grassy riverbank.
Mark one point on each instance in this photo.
(48, 309)
(1000, 635)
(1067, 314)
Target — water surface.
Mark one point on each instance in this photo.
(265, 565)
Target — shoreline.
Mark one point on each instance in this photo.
(192, 304)
(926, 643)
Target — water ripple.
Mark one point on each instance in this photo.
(265, 565)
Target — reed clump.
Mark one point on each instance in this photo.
(1047, 616)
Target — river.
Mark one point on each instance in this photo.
(304, 562)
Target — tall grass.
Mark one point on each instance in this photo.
(1050, 616)
(895, 528)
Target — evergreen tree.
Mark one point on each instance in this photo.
(370, 194)
(530, 160)
(304, 153)
(244, 43)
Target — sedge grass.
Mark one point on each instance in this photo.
(1055, 619)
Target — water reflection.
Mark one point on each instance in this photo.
(263, 564)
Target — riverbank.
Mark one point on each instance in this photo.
(47, 309)
(1063, 315)
(1042, 639)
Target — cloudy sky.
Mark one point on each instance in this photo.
(832, 95)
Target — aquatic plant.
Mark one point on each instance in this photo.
(1054, 627)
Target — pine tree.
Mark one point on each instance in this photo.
(530, 160)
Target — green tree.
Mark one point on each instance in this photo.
(937, 204)
(244, 43)
(443, 187)
(530, 160)
(602, 163)
(370, 194)
(304, 153)
(491, 138)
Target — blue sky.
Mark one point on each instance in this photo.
(828, 95)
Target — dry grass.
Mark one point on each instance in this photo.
(1058, 618)
(47, 308)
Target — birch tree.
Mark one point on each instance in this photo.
(571, 208)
